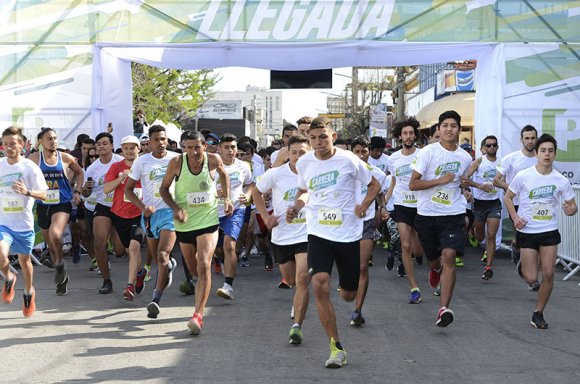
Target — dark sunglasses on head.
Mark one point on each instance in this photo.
(490, 145)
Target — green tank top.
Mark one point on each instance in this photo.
(196, 194)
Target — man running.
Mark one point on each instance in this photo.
(541, 190)
(405, 201)
(513, 163)
(487, 204)
(440, 217)
(327, 181)
(21, 181)
(377, 157)
(195, 212)
(126, 216)
(287, 132)
(360, 147)
(157, 218)
(241, 185)
(289, 240)
(54, 212)
(102, 218)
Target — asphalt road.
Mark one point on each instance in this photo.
(91, 338)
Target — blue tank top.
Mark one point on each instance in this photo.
(59, 189)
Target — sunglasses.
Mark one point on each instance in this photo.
(240, 154)
(212, 142)
(93, 156)
(490, 145)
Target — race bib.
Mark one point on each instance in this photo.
(408, 197)
(329, 216)
(443, 196)
(138, 192)
(300, 218)
(12, 204)
(109, 197)
(198, 199)
(156, 187)
(52, 196)
(542, 212)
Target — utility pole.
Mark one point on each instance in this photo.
(400, 110)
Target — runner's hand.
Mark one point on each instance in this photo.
(76, 199)
(359, 211)
(569, 210)
(149, 211)
(89, 185)
(243, 198)
(519, 223)
(291, 213)
(228, 207)
(447, 178)
(271, 221)
(180, 215)
(19, 187)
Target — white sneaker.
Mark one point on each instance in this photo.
(227, 292)
(171, 267)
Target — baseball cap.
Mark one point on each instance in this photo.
(144, 138)
(130, 139)
(212, 136)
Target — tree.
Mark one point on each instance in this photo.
(171, 95)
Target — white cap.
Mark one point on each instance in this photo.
(130, 139)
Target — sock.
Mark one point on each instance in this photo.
(157, 296)
(141, 272)
(338, 345)
(130, 285)
(415, 290)
(230, 280)
(296, 325)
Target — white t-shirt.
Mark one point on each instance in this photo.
(284, 185)
(256, 159)
(363, 189)
(151, 171)
(16, 209)
(400, 166)
(240, 176)
(485, 174)
(97, 171)
(433, 162)
(274, 156)
(513, 163)
(381, 163)
(332, 187)
(541, 197)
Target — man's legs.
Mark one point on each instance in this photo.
(366, 250)
(547, 263)
(447, 276)
(206, 244)
(321, 287)
(164, 248)
(101, 229)
(9, 277)
(409, 238)
(490, 244)
(289, 271)
(301, 295)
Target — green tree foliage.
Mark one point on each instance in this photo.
(172, 95)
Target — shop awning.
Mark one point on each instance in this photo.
(462, 103)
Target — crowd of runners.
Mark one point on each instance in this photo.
(309, 204)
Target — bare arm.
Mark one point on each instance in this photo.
(508, 200)
(215, 162)
(281, 158)
(172, 171)
(131, 196)
(302, 198)
(22, 189)
(416, 184)
(374, 188)
(499, 181)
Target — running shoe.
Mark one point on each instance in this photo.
(337, 356)
(434, 277)
(244, 261)
(29, 305)
(459, 262)
(437, 291)
(444, 317)
(227, 292)
(487, 273)
(401, 270)
(484, 257)
(153, 310)
(535, 286)
(106, 288)
(47, 261)
(8, 291)
(94, 266)
(195, 324)
(217, 266)
(538, 321)
(268, 262)
(62, 288)
(148, 275)
(415, 296)
(390, 262)
(76, 253)
(59, 273)
(473, 241)
(284, 285)
(357, 319)
(187, 287)
(295, 335)
(140, 282)
(171, 266)
(129, 292)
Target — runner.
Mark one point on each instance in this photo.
(289, 240)
(287, 132)
(377, 156)
(21, 181)
(327, 180)
(195, 212)
(157, 217)
(360, 147)
(437, 172)
(54, 212)
(541, 190)
(513, 163)
(241, 185)
(126, 216)
(101, 221)
(487, 204)
(405, 201)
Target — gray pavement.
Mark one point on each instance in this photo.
(91, 338)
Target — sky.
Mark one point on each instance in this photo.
(295, 103)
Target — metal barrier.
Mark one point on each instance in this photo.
(569, 248)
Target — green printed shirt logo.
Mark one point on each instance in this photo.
(404, 170)
(324, 180)
(234, 176)
(446, 168)
(489, 174)
(8, 180)
(543, 192)
(290, 195)
(157, 173)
